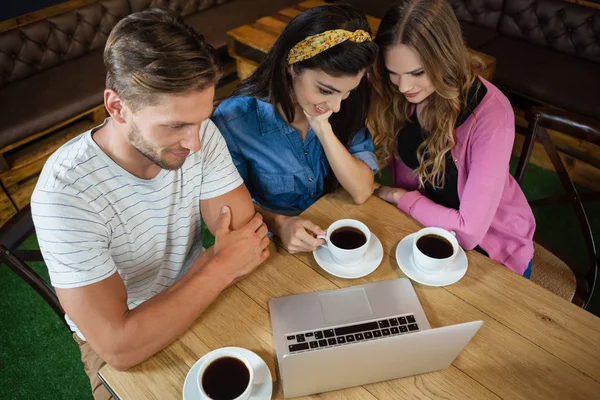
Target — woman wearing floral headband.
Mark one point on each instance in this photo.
(296, 127)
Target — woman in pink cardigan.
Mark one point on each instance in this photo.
(448, 135)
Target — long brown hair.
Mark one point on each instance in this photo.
(273, 82)
(431, 29)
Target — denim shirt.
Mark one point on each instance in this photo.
(283, 173)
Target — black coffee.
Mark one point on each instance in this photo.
(435, 246)
(225, 378)
(348, 238)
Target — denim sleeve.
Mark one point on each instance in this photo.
(222, 122)
(362, 148)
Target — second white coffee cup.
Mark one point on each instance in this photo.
(216, 355)
(347, 256)
(427, 263)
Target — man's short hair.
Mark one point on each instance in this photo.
(152, 52)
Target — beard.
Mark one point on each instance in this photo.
(150, 152)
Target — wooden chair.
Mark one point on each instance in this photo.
(12, 234)
(549, 270)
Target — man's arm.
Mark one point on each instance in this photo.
(123, 337)
(238, 200)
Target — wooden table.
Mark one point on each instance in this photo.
(533, 344)
(249, 44)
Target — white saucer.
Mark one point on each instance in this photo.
(452, 274)
(368, 264)
(263, 381)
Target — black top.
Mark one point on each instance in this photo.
(412, 135)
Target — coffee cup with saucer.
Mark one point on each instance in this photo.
(350, 251)
(259, 380)
(347, 241)
(432, 257)
(434, 249)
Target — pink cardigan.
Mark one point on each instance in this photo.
(494, 213)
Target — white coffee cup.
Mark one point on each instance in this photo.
(430, 264)
(346, 256)
(215, 355)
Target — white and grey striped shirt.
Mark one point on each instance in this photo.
(93, 218)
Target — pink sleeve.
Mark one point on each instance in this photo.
(402, 175)
(490, 150)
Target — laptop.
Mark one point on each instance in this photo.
(335, 339)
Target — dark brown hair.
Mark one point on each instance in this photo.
(272, 81)
(152, 52)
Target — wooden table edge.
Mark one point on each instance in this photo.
(107, 385)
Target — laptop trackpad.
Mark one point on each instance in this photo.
(345, 306)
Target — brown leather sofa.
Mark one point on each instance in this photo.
(52, 75)
(547, 51)
(52, 70)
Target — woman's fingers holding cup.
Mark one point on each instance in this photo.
(298, 235)
(308, 233)
(304, 242)
(309, 242)
(309, 226)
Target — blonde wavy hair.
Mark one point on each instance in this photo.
(431, 29)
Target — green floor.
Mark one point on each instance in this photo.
(40, 360)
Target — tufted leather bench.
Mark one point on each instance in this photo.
(547, 51)
(51, 72)
(52, 69)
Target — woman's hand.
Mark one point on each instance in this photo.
(298, 235)
(320, 123)
(390, 194)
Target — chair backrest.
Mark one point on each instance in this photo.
(17, 229)
(33, 280)
(12, 234)
(582, 128)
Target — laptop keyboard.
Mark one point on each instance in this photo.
(349, 334)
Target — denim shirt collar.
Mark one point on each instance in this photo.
(270, 121)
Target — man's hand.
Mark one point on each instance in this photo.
(298, 235)
(240, 251)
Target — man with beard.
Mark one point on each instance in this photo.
(118, 209)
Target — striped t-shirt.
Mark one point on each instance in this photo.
(93, 218)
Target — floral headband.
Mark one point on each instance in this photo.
(315, 44)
